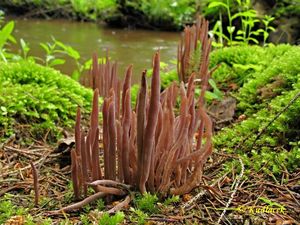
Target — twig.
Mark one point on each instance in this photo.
(27, 154)
(234, 191)
(19, 170)
(110, 183)
(121, 205)
(162, 219)
(35, 184)
(79, 205)
(199, 195)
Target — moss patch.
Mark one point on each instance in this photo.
(267, 80)
(39, 99)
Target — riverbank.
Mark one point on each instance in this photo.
(162, 15)
(171, 15)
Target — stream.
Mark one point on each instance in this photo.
(125, 46)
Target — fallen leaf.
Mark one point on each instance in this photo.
(186, 197)
(15, 220)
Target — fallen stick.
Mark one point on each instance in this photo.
(121, 205)
(78, 205)
(110, 183)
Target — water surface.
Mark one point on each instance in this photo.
(126, 46)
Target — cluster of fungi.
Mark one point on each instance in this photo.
(151, 146)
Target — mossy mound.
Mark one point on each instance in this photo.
(267, 84)
(39, 99)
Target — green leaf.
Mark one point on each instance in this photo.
(271, 28)
(230, 29)
(49, 58)
(217, 4)
(5, 33)
(240, 32)
(68, 50)
(256, 33)
(87, 65)
(56, 62)
(4, 110)
(12, 39)
(24, 46)
(46, 48)
(210, 95)
(250, 13)
(219, 34)
(212, 84)
(241, 38)
(253, 39)
(75, 75)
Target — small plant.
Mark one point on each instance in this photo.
(171, 200)
(50, 58)
(266, 32)
(25, 48)
(5, 38)
(248, 19)
(84, 219)
(139, 217)
(147, 203)
(55, 52)
(100, 204)
(29, 220)
(106, 219)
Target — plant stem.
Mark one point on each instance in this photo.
(230, 21)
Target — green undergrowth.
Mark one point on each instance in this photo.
(259, 73)
(8, 209)
(141, 208)
(39, 100)
(74, 9)
(267, 80)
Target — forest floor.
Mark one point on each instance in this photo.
(250, 197)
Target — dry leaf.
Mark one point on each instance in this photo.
(187, 197)
(15, 220)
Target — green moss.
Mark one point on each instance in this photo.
(267, 79)
(147, 203)
(8, 209)
(281, 73)
(237, 64)
(279, 144)
(40, 97)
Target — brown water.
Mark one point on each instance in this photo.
(126, 46)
